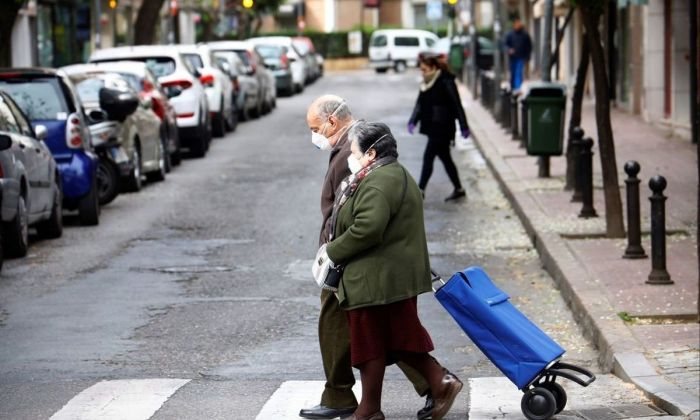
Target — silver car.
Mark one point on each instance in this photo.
(139, 133)
(30, 185)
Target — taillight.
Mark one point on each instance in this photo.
(158, 108)
(147, 85)
(236, 84)
(184, 84)
(207, 80)
(74, 132)
(2, 172)
(284, 61)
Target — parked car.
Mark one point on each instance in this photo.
(297, 61)
(485, 49)
(217, 86)
(182, 85)
(152, 94)
(257, 93)
(48, 98)
(138, 131)
(276, 60)
(31, 183)
(314, 61)
(398, 48)
(249, 96)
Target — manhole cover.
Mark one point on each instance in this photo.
(196, 269)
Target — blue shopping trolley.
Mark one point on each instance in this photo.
(521, 350)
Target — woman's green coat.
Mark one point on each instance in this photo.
(380, 237)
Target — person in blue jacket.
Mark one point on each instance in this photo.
(519, 47)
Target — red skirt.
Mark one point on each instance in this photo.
(383, 330)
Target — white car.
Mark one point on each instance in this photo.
(398, 48)
(297, 62)
(217, 85)
(182, 85)
(254, 68)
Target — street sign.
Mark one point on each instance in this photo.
(433, 9)
(355, 42)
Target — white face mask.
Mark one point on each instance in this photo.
(318, 139)
(354, 164)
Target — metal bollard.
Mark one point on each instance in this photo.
(505, 108)
(514, 117)
(575, 144)
(658, 274)
(523, 124)
(586, 168)
(634, 231)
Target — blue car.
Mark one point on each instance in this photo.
(47, 97)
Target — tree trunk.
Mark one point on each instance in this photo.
(144, 28)
(576, 105)
(7, 22)
(614, 223)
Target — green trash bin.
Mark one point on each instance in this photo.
(455, 58)
(545, 106)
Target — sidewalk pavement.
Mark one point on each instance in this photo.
(657, 345)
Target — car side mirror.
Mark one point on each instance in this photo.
(40, 132)
(173, 91)
(118, 104)
(5, 142)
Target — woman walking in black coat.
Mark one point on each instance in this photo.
(437, 108)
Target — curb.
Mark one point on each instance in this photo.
(620, 352)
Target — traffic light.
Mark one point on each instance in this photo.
(248, 4)
(112, 4)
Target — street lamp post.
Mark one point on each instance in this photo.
(497, 65)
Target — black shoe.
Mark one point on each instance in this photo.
(427, 411)
(323, 412)
(456, 194)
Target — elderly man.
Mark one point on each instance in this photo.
(330, 119)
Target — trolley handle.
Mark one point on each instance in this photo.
(436, 278)
(560, 369)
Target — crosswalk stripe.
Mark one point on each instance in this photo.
(494, 397)
(292, 396)
(131, 399)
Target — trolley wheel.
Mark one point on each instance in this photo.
(538, 404)
(559, 394)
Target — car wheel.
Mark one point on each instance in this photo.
(16, 231)
(381, 69)
(53, 227)
(400, 66)
(218, 122)
(159, 174)
(232, 120)
(300, 88)
(89, 206)
(244, 113)
(199, 146)
(107, 182)
(165, 142)
(133, 182)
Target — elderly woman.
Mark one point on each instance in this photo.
(379, 237)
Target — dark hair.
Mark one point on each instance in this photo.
(433, 60)
(367, 133)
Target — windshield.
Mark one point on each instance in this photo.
(39, 99)
(378, 41)
(160, 66)
(269, 51)
(194, 60)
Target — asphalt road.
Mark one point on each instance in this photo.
(205, 278)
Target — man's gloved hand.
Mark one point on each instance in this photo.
(465, 133)
(411, 128)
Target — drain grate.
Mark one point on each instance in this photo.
(193, 269)
(620, 412)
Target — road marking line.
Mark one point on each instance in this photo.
(495, 397)
(292, 396)
(131, 399)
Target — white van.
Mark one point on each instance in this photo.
(398, 48)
